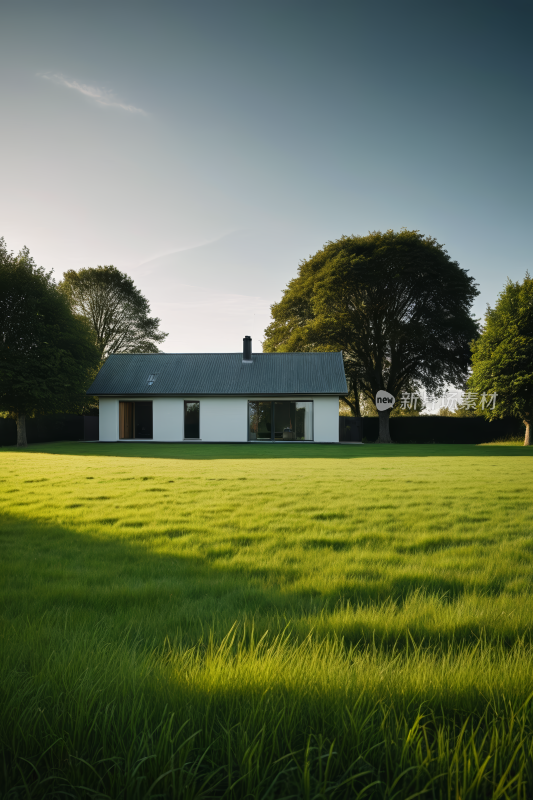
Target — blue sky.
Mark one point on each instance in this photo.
(207, 147)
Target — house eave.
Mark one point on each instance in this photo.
(249, 395)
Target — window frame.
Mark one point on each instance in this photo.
(272, 401)
(122, 421)
(199, 437)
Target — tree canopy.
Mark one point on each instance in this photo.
(394, 303)
(502, 357)
(115, 308)
(48, 355)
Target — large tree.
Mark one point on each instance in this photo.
(502, 357)
(48, 355)
(116, 309)
(394, 303)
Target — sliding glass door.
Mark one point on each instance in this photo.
(304, 421)
(143, 420)
(284, 420)
(259, 420)
(280, 420)
(135, 420)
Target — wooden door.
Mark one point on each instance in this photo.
(125, 420)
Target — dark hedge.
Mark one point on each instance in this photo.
(444, 430)
(44, 428)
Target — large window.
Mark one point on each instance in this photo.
(260, 420)
(280, 420)
(135, 420)
(192, 419)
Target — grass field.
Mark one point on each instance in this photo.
(266, 621)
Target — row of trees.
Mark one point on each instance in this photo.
(400, 310)
(54, 338)
(395, 303)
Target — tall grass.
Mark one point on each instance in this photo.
(266, 622)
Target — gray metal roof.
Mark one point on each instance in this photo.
(204, 374)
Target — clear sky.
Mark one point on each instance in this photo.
(206, 147)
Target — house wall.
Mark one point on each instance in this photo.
(168, 419)
(222, 419)
(108, 419)
(326, 419)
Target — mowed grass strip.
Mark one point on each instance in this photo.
(300, 620)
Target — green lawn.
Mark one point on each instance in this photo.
(266, 621)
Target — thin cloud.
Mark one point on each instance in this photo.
(102, 96)
(187, 248)
(197, 298)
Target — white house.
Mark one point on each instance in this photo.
(220, 397)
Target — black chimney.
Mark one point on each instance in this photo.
(247, 348)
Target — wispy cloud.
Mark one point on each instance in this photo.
(103, 97)
(152, 262)
(197, 298)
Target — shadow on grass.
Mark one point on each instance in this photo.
(53, 568)
(285, 450)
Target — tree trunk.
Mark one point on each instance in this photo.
(527, 438)
(354, 407)
(384, 432)
(21, 431)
